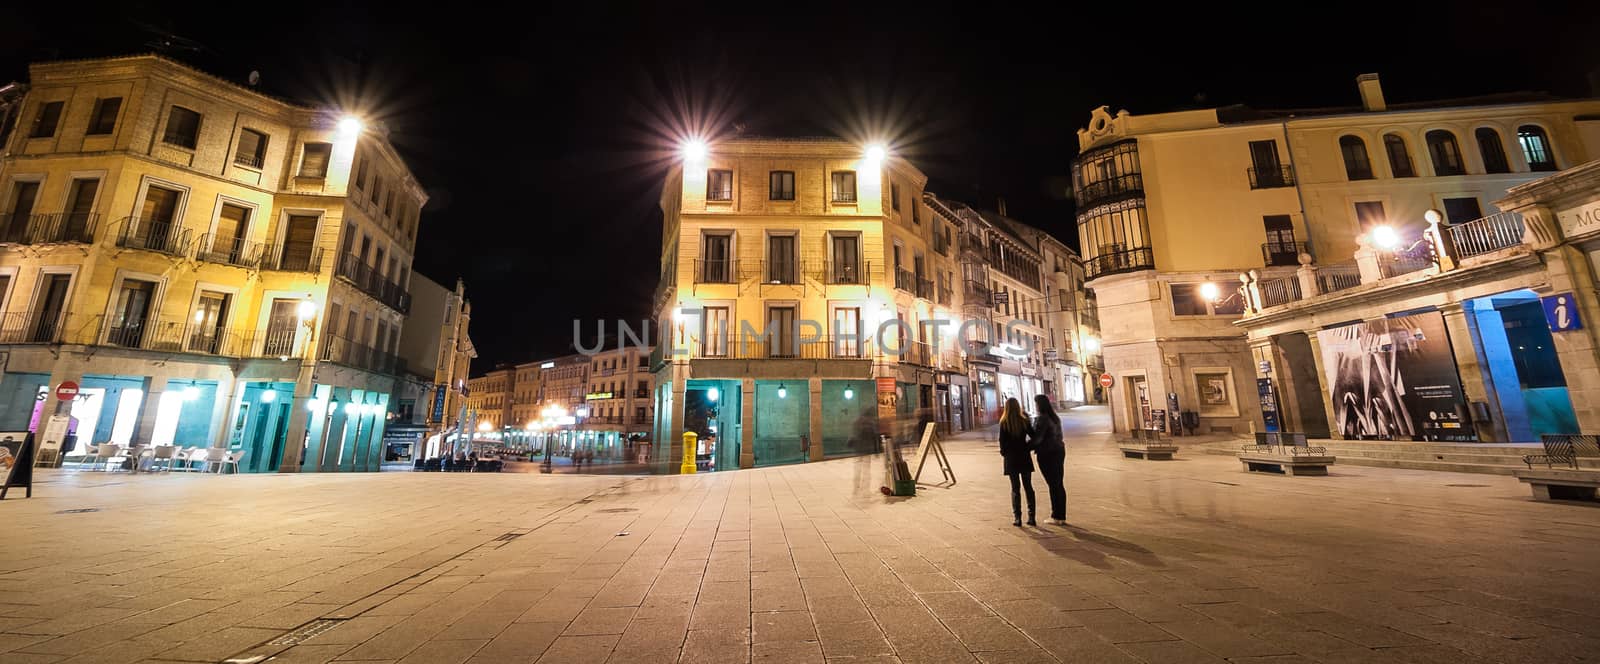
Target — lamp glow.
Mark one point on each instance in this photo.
(1091, 344)
(306, 310)
(713, 394)
(200, 316)
(269, 396)
(1209, 291)
(1385, 237)
(849, 393)
(695, 149)
(783, 392)
(349, 125)
(876, 153)
(484, 426)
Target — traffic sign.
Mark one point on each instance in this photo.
(66, 391)
(1106, 380)
(1561, 312)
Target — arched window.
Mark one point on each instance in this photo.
(1494, 154)
(1356, 164)
(1399, 157)
(1536, 148)
(1445, 153)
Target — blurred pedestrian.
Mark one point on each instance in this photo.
(1051, 451)
(1015, 434)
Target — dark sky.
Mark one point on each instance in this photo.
(540, 133)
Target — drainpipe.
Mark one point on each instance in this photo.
(1298, 192)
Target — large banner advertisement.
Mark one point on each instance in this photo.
(1395, 379)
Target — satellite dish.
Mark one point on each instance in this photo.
(255, 77)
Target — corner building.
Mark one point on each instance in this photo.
(214, 267)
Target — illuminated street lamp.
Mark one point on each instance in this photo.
(876, 153)
(694, 149)
(349, 126)
(553, 415)
(1210, 291)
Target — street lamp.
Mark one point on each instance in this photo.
(553, 415)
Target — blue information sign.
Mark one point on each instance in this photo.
(1561, 312)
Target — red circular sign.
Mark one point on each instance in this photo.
(1106, 380)
(66, 391)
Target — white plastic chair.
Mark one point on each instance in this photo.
(190, 456)
(91, 455)
(215, 457)
(231, 460)
(105, 452)
(162, 457)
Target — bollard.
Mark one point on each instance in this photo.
(689, 438)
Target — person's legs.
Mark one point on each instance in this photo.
(1016, 495)
(1052, 471)
(1027, 486)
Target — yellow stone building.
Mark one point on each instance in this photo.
(1195, 224)
(826, 243)
(489, 399)
(213, 266)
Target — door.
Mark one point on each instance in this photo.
(846, 259)
(22, 200)
(1461, 210)
(714, 334)
(130, 318)
(1280, 248)
(281, 327)
(233, 223)
(76, 226)
(1264, 157)
(299, 242)
(156, 220)
(780, 259)
(210, 311)
(847, 332)
(781, 330)
(717, 266)
(52, 305)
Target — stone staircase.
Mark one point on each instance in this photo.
(1493, 459)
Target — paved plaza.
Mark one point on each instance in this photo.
(1183, 561)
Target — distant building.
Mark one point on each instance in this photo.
(620, 402)
(436, 353)
(489, 399)
(212, 266)
(1244, 257)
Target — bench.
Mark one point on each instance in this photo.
(1285, 453)
(1569, 483)
(1147, 444)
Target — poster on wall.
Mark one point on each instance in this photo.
(1395, 379)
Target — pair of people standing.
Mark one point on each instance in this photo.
(1042, 437)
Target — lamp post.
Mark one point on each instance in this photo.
(553, 416)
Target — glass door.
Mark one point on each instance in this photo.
(281, 327)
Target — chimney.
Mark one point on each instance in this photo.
(1371, 92)
(1001, 205)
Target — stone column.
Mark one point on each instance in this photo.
(154, 387)
(1307, 274)
(1471, 365)
(1578, 351)
(1367, 260)
(227, 392)
(1322, 382)
(815, 450)
(295, 442)
(747, 426)
(675, 417)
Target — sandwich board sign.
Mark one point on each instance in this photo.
(16, 462)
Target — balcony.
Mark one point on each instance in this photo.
(640, 420)
(176, 336)
(368, 280)
(925, 289)
(350, 353)
(1280, 290)
(48, 228)
(946, 296)
(1119, 261)
(904, 280)
(918, 353)
(973, 244)
(780, 272)
(1272, 177)
(229, 251)
(1100, 191)
(641, 394)
(1283, 254)
(1396, 263)
(834, 272)
(724, 271)
(1482, 236)
(757, 347)
(158, 236)
(278, 258)
(976, 293)
(31, 327)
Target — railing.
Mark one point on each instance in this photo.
(904, 280)
(1334, 278)
(279, 343)
(940, 245)
(1481, 236)
(274, 258)
(1279, 254)
(1279, 290)
(1118, 262)
(925, 289)
(229, 251)
(640, 420)
(1394, 264)
(972, 242)
(950, 358)
(373, 283)
(31, 327)
(76, 227)
(834, 272)
(1100, 190)
(1271, 178)
(341, 350)
(780, 272)
(758, 347)
(977, 293)
(724, 271)
(249, 160)
(158, 236)
(176, 336)
(918, 353)
(603, 419)
(14, 227)
(641, 394)
(946, 295)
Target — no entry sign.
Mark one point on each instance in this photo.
(66, 391)
(1106, 380)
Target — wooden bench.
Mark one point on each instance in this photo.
(1570, 482)
(1285, 453)
(1147, 444)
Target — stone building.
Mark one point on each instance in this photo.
(619, 401)
(489, 399)
(213, 266)
(436, 354)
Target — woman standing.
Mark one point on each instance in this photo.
(1014, 433)
(1052, 452)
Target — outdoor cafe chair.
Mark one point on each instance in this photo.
(230, 459)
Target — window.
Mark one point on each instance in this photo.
(44, 124)
(1399, 157)
(314, 164)
(916, 214)
(388, 204)
(714, 332)
(780, 259)
(1494, 154)
(252, 150)
(52, 306)
(1281, 248)
(1356, 164)
(844, 186)
(210, 313)
(847, 332)
(782, 186)
(1461, 210)
(104, 117)
(1536, 148)
(132, 309)
(846, 267)
(227, 244)
(1264, 159)
(719, 185)
(183, 128)
(716, 263)
(361, 172)
(1187, 301)
(377, 190)
(894, 196)
(1370, 214)
(1445, 153)
(781, 325)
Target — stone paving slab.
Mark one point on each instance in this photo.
(1183, 561)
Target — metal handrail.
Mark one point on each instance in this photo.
(780, 272)
(725, 271)
(238, 252)
(1484, 235)
(274, 258)
(1282, 176)
(1279, 290)
(1283, 254)
(1120, 261)
(1335, 278)
(904, 280)
(77, 227)
(163, 237)
(834, 272)
(1127, 184)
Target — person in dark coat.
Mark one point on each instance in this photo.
(1014, 438)
(1051, 450)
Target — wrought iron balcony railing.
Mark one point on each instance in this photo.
(835, 272)
(1283, 254)
(1271, 178)
(278, 258)
(158, 236)
(350, 353)
(925, 289)
(757, 347)
(237, 252)
(1129, 184)
(75, 227)
(1120, 261)
(723, 271)
(368, 280)
(904, 280)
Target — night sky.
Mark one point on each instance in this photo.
(542, 134)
